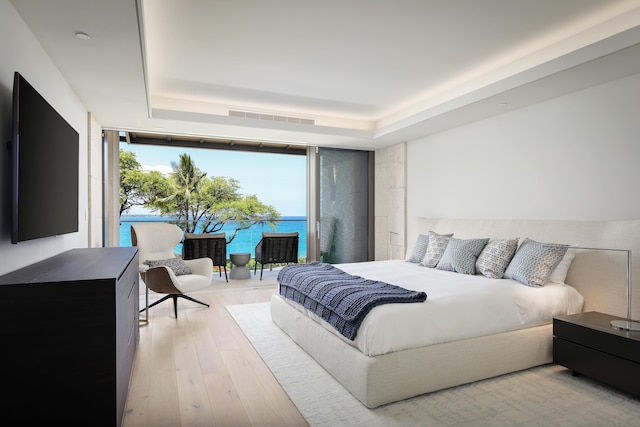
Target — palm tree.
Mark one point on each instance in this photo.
(187, 179)
(190, 197)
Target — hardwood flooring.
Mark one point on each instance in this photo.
(200, 369)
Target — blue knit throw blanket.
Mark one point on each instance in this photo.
(340, 298)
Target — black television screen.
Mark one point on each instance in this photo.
(45, 154)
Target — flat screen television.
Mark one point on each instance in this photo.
(45, 156)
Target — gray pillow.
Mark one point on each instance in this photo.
(534, 261)
(435, 248)
(176, 264)
(461, 255)
(419, 249)
(495, 257)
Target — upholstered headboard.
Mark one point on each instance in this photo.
(600, 276)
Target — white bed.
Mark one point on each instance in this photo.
(395, 356)
(458, 306)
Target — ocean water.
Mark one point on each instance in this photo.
(245, 241)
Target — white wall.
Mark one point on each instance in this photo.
(20, 51)
(573, 157)
(390, 202)
(94, 161)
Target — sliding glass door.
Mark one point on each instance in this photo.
(341, 200)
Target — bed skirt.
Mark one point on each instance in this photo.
(384, 379)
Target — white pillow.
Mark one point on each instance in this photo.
(559, 274)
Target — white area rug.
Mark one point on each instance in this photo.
(543, 396)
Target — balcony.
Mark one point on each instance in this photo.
(245, 240)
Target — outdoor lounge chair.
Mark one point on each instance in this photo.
(276, 248)
(212, 245)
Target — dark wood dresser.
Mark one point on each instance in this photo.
(69, 327)
(587, 344)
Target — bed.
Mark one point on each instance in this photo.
(379, 371)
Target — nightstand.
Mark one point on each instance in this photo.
(587, 344)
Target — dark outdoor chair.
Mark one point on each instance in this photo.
(276, 248)
(213, 246)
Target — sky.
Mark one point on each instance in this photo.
(278, 180)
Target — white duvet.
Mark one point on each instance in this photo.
(458, 306)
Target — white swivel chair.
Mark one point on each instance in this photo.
(161, 270)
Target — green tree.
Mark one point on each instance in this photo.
(207, 204)
(186, 180)
(244, 212)
(138, 188)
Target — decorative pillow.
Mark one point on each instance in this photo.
(461, 255)
(419, 249)
(435, 248)
(559, 274)
(176, 264)
(534, 261)
(496, 256)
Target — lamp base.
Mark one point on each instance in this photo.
(627, 325)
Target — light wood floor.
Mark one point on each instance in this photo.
(200, 369)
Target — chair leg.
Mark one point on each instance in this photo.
(175, 305)
(175, 302)
(164, 298)
(192, 299)
(255, 269)
(223, 267)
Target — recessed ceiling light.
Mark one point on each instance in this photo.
(81, 35)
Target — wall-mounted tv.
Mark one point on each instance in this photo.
(45, 154)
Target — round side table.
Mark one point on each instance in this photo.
(240, 269)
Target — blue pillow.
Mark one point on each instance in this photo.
(419, 249)
(495, 257)
(534, 262)
(461, 255)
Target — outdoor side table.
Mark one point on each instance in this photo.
(240, 269)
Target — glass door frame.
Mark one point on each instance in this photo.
(314, 225)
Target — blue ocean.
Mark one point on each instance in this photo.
(245, 241)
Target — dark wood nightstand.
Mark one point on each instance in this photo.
(587, 344)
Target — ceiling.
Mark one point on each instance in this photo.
(358, 73)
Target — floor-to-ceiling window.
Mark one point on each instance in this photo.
(339, 194)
